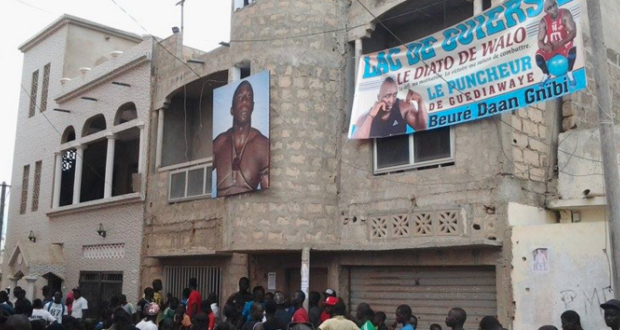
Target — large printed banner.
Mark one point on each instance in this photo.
(513, 55)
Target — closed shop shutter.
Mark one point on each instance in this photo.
(430, 292)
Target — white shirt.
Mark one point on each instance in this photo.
(42, 314)
(79, 305)
(146, 325)
(57, 310)
(215, 310)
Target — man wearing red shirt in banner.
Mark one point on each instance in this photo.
(300, 315)
(556, 33)
(195, 298)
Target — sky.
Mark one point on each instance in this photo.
(207, 22)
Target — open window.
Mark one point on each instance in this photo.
(68, 135)
(93, 171)
(126, 112)
(126, 179)
(67, 177)
(93, 125)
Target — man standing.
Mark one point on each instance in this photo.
(325, 315)
(259, 297)
(256, 317)
(456, 318)
(4, 303)
(556, 33)
(338, 321)
(390, 116)
(144, 302)
(300, 315)
(364, 315)
(127, 306)
(403, 316)
(612, 313)
(56, 307)
(241, 154)
(239, 298)
(314, 312)
(148, 323)
(80, 305)
(47, 294)
(22, 305)
(38, 313)
(195, 298)
(281, 314)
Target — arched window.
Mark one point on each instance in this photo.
(68, 135)
(93, 125)
(125, 113)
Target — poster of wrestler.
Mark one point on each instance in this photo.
(241, 136)
(511, 56)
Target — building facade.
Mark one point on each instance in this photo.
(77, 210)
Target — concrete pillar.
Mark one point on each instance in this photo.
(305, 273)
(477, 7)
(30, 287)
(142, 144)
(235, 74)
(13, 281)
(358, 55)
(160, 136)
(109, 166)
(57, 179)
(77, 181)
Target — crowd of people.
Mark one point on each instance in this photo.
(243, 310)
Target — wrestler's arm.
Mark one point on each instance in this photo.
(264, 162)
(571, 28)
(416, 119)
(364, 122)
(542, 33)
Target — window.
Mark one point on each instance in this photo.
(36, 187)
(67, 177)
(45, 88)
(68, 135)
(242, 3)
(93, 125)
(190, 183)
(23, 206)
(126, 112)
(422, 149)
(33, 93)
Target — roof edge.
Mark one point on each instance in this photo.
(70, 19)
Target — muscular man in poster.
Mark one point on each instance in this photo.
(556, 33)
(241, 154)
(390, 115)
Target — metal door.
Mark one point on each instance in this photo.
(97, 288)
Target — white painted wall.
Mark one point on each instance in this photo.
(578, 279)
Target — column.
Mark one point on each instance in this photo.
(358, 55)
(477, 7)
(30, 287)
(235, 74)
(160, 136)
(77, 181)
(109, 166)
(57, 179)
(305, 273)
(13, 280)
(141, 158)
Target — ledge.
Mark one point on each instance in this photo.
(190, 251)
(96, 205)
(581, 203)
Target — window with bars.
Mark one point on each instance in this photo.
(36, 187)
(33, 93)
(24, 203)
(190, 183)
(45, 87)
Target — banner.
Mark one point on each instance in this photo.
(511, 56)
(241, 136)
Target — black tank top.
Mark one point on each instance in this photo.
(394, 125)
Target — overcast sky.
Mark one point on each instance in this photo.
(207, 22)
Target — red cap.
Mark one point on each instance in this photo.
(332, 301)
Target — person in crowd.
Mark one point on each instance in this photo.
(435, 326)
(17, 322)
(79, 306)
(185, 296)
(89, 324)
(256, 317)
(56, 307)
(148, 323)
(314, 312)
(171, 309)
(38, 313)
(281, 314)
(127, 306)
(167, 324)
(37, 324)
(69, 301)
(231, 317)
(456, 318)
(301, 314)
(268, 296)
(239, 298)
(205, 315)
(157, 287)
(4, 303)
(612, 313)
(364, 316)
(324, 314)
(379, 321)
(147, 298)
(338, 321)
(259, 297)
(22, 305)
(490, 323)
(271, 322)
(105, 318)
(212, 298)
(403, 316)
(47, 294)
(195, 298)
(571, 321)
(181, 320)
(414, 321)
(121, 320)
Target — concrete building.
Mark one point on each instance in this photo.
(77, 203)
